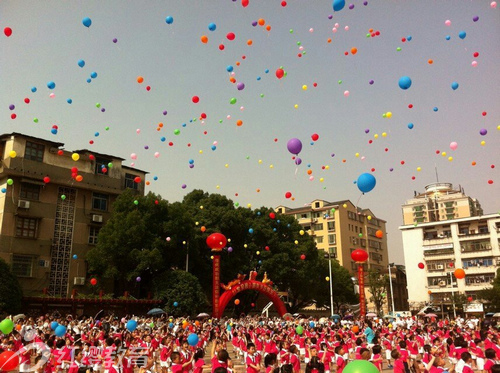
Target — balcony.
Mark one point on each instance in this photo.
(437, 240)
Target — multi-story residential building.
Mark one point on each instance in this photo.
(341, 227)
(52, 206)
(434, 248)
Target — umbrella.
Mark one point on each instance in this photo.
(371, 314)
(17, 317)
(431, 315)
(202, 315)
(496, 314)
(156, 311)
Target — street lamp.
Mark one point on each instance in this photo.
(360, 256)
(390, 283)
(330, 256)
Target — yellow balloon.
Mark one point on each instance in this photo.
(212, 257)
(327, 278)
(75, 156)
(483, 143)
(12, 154)
(218, 187)
(384, 134)
(344, 205)
(245, 246)
(200, 151)
(301, 232)
(357, 154)
(369, 217)
(327, 167)
(321, 179)
(376, 135)
(228, 240)
(419, 169)
(258, 252)
(296, 106)
(388, 114)
(296, 242)
(260, 161)
(196, 223)
(450, 158)
(271, 166)
(443, 154)
(201, 207)
(304, 87)
(249, 205)
(226, 165)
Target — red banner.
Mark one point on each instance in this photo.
(216, 285)
(361, 283)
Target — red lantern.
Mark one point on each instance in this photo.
(9, 360)
(93, 282)
(216, 241)
(359, 255)
(379, 234)
(421, 265)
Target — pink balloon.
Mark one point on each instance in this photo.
(133, 156)
(453, 145)
(493, 4)
(447, 22)
(474, 63)
(346, 93)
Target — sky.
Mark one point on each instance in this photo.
(341, 82)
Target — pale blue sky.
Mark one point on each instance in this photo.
(48, 39)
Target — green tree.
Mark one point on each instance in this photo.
(10, 291)
(492, 294)
(378, 287)
(181, 292)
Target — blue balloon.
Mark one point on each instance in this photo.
(404, 82)
(448, 37)
(338, 5)
(192, 339)
(51, 85)
(54, 325)
(462, 35)
(81, 63)
(176, 304)
(89, 80)
(60, 331)
(75, 256)
(229, 68)
(435, 108)
(311, 324)
(250, 231)
(33, 89)
(171, 325)
(131, 325)
(93, 75)
(169, 20)
(4, 190)
(87, 22)
(454, 86)
(212, 26)
(410, 126)
(69, 101)
(366, 182)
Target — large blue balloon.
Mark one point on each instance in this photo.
(131, 325)
(366, 182)
(60, 331)
(54, 325)
(404, 82)
(338, 5)
(193, 339)
(87, 22)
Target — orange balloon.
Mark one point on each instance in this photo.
(79, 178)
(429, 292)
(309, 172)
(355, 329)
(236, 301)
(354, 50)
(239, 122)
(140, 79)
(232, 80)
(459, 273)
(18, 327)
(379, 234)
(204, 39)
(430, 62)
(268, 28)
(261, 22)
(249, 42)
(203, 229)
(329, 40)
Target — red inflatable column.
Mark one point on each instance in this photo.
(216, 284)
(361, 283)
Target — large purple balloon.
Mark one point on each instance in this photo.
(294, 146)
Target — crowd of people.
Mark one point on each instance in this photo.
(250, 344)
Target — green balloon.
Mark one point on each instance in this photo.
(106, 128)
(177, 132)
(360, 366)
(299, 330)
(110, 165)
(35, 120)
(63, 197)
(136, 202)
(6, 326)
(232, 101)
(98, 105)
(10, 181)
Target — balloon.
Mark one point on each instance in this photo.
(236, 301)
(6, 326)
(299, 330)
(192, 339)
(9, 360)
(7, 31)
(462, 35)
(216, 241)
(379, 234)
(366, 182)
(311, 324)
(74, 255)
(81, 63)
(459, 273)
(54, 325)
(138, 279)
(230, 36)
(359, 255)
(280, 73)
(355, 329)
(288, 195)
(176, 304)
(93, 281)
(51, 85)
(169, 20)
(421, 265)
(302, 257)
(454, 85)
(453, 145)
(404, 82)
(75, 156)
(87, 22)
(204, 39)
(60, 331)
(447, 22)
(272, 215)
(294, 146)
(314, 137)
(360, 366)
(12, 154)
(131, 325)
(338, 5)
(212, 26)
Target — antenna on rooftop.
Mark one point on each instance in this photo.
(437, 177)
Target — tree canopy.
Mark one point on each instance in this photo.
(148, 237)
(10, 291)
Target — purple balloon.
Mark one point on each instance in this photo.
(230, 249)
(115, 40)
(164, 112)
(240, 86)
(12, 107)
(330, 16)
(294, 146)
(254, 23)
(365, 3)
(475, 19)
(138, 279)
(183, 186)
(483, 131)
(371, 82)
(298, 161)
(351, 6)
(367, 130)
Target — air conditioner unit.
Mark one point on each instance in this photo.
(23, 204)
(44, 263)
(97, 218)
(442, 283)
(440, 266)
(79, 281)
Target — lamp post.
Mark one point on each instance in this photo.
(360, 256)
(330, 256)
(392, 294)
(453, 295)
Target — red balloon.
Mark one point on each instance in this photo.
(288, 195)
(302, 257)
(421, 265)
(137, 180)
(46, 179)
(280, 73)
(272, 215)
(7, 31)
(216, 241)
(469, 299)
(9, 360)
(230, 36)
(93, 282)
(195, 99)
(283, 3)
(267, 248)
(244, 3)
(314, 137)
(359, 255)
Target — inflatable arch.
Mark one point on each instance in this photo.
(226, 297)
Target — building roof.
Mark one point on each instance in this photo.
(17, 134)
(83, 151)
(135, 169)
(450, 221)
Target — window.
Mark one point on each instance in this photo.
(129, 181)
(316, 205)
(101, 163)
(93, 233)
(351, 215)
(333, 251)
(26, 227)
(331, 225)
(317, 227)
(29, 191)
(34, 151)
(22, 265)
(100, 201)
(319, 239)
(483, 229)
(2, 149)
(304, 216)
(481, 262)
(332, 240)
